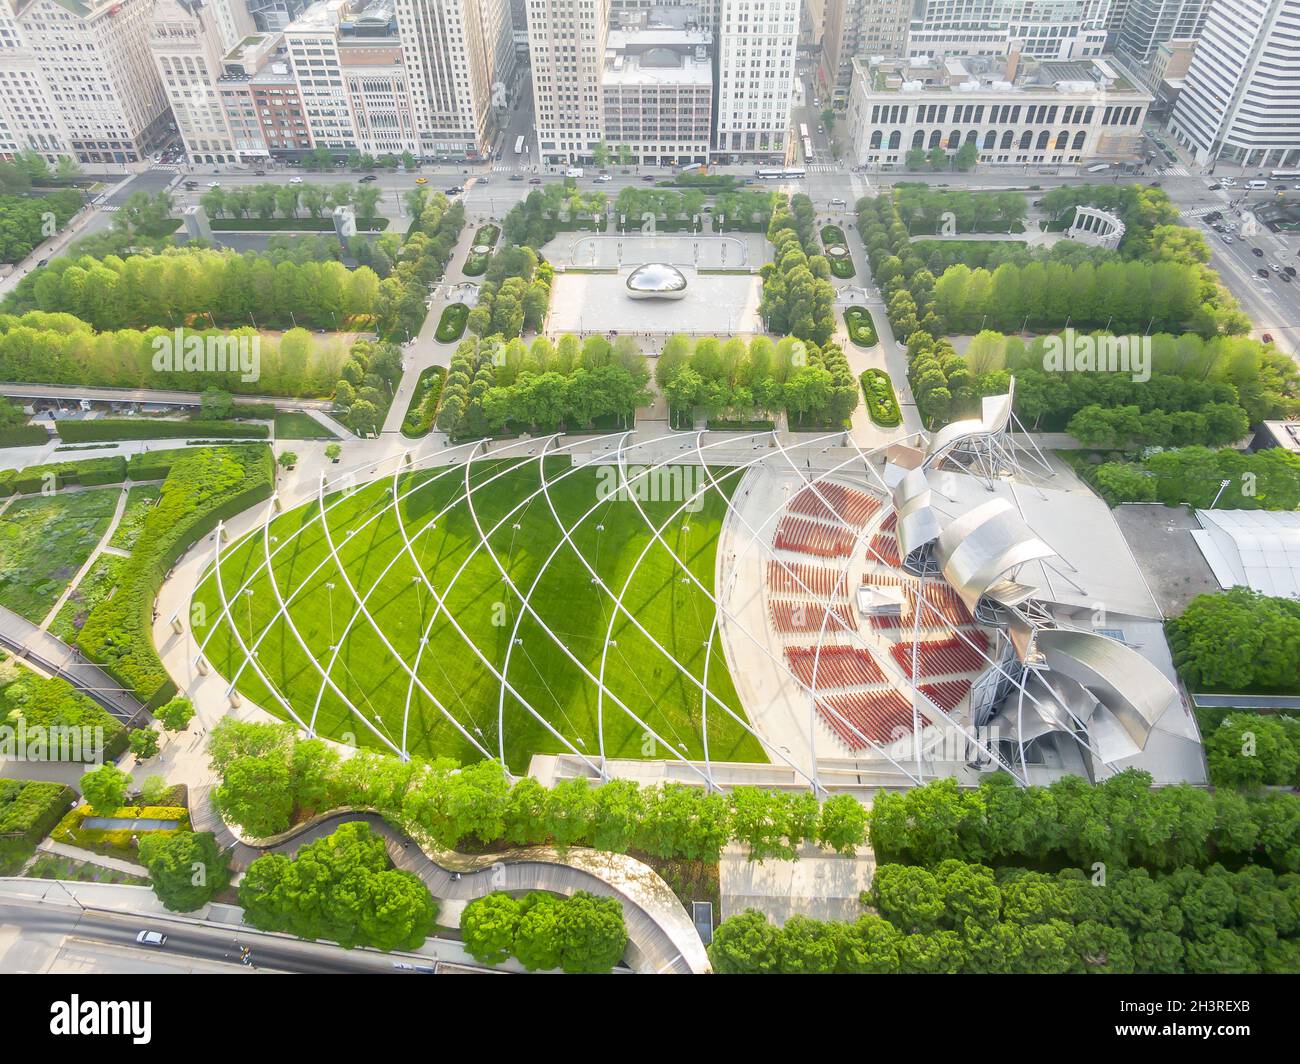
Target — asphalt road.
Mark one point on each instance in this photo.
(185, 942)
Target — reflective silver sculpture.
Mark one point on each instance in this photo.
(656, 280)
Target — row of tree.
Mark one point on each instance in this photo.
(268, 200)
(969, 918)
(26, 221)
(578, 934)
(923, 208)
(1265, 480)
(798, 298)
(551, 209)
(400, 307)
(364, 390)
(270, 779)
(1238, 640)
(514, 295)
(62, 349)
(1121, 822)
(179, 285)
(20, 172)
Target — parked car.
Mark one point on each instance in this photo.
(151, 938)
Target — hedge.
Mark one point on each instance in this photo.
(23, 436)
(147, 429)
(28, 812)
(88, 471)
(882, 404)
(291, 225)
(841, 265)
(204, 487)
(861, 326)
(118, 842)
(154, 465)
(451, 326)
(51, 702)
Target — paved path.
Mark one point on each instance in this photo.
(56, 658)
(76, 853)
(662, 937)
(100, 547)
(26, 390)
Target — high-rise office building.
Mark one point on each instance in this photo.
(1241, 97)
(77, 79)
(757, 40)
(566, 46)
(859, 27)
(1043, 29)
(1147, 24)
(188, 39)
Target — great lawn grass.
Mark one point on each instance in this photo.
(679, 615)
(44, 541)
(295, 425)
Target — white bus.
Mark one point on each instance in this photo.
(1098, 168)
(807, 149)
(1284, 175)
(803, 130)
(519, 145)
(789, 173)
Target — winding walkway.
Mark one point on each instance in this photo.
(661, 936)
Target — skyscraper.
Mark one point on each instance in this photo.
(566, 43)
(757, 40)
(1241, 96)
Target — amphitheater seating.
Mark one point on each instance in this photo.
(810, 617)
(813, 537)
(884, 547)
(879, 715)
(830, 501)
(800, 578)
(836, 667)
(947, 694)
(942, 657)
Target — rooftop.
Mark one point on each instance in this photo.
(923, 74)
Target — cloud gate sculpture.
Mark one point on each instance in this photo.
(656, 280)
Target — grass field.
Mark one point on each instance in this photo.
(44, 541)
(295, 425)
(678, 614)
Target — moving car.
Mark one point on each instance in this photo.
(1216, 188)
(295, 180)
(516, 177)
(1262, 272)
(1275, 267)
(648, 177)
(455, 190)
(603, 178)
(1267, 338)
(151, 938)
(421, 180)
(1257, 253)
(534, 180)
(369, 177)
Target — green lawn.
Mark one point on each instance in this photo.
(44, 541)
(139, 501)
(295, 425)
(678, 614)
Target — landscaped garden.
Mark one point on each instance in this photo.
(42, 703)
(425, 398)
(882, 403)
(444, 535)
(836, 246)
(28, 810)
(480, 251)
(93, 588)
(44, 541)
(451, 325)
(861, 326)
(296, 425)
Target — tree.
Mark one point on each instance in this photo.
(186, 869)
(843, 823)
(1252, 749)
(488, 925)
(176, 714)
(591, 933)
(287, 459)
(143, 743)
(967, 156)
(746, 945)
(104, 789)
(333, 451)
(537, 935)
(215, 404)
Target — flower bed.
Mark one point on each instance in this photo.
(836, 247)
(451, 326)
(477, 261)
(882, 404)
(862, 329)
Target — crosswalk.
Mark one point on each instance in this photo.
(822, 168)
(1198, 212)
(111, 207)
(1170, 171)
